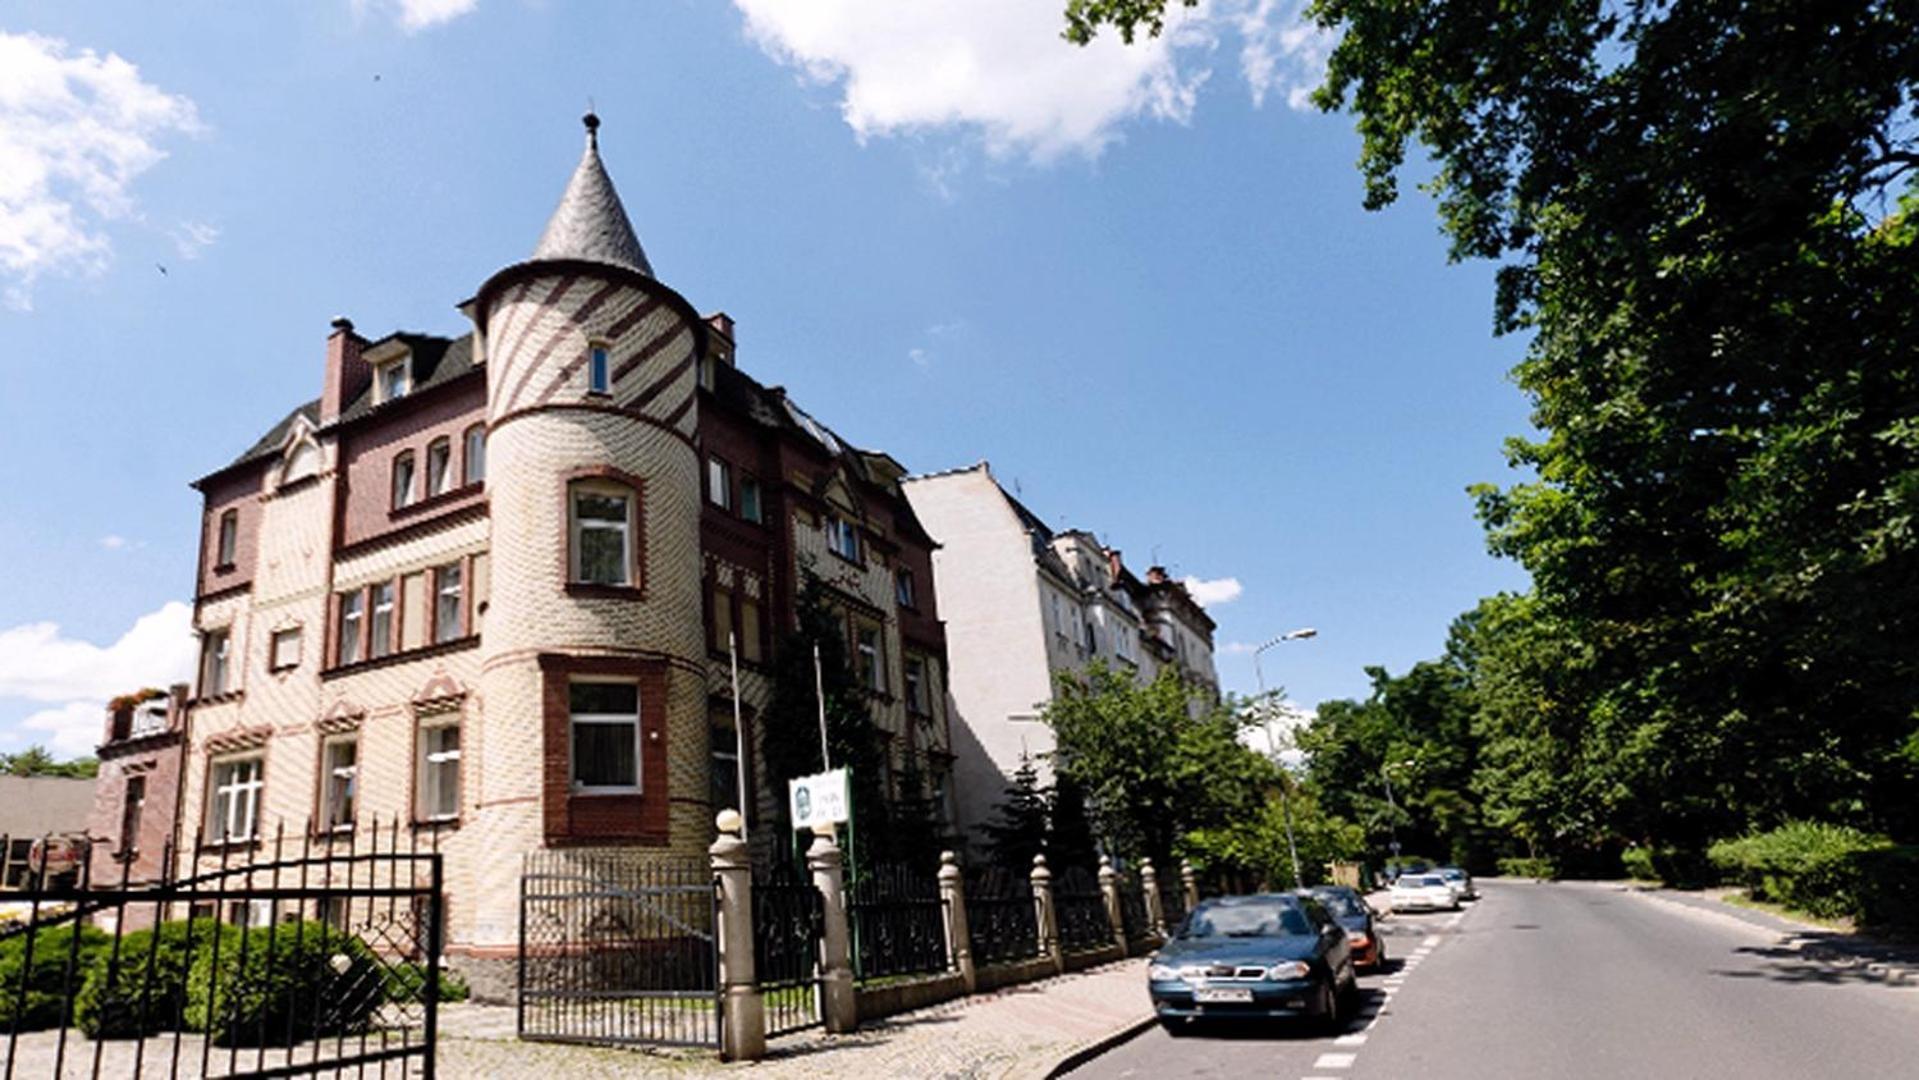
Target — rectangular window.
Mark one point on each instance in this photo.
(599, 379)
(403, 481)
(394, 380)
(213, 663)
(872, 675)
(351, 616)
(135, 799)
(339, 782)
(602, 525)
(438, 785)
(234, 803)
(439, 466)
(606, 735)
(750, 500)
(414, 605)
(1092, 638)
(903, 588)
(229, 538)
(750, 650)
(723, 786)
(842, 537)
(719, 483)
(449, 605)
(380, 629)
(474, 466)
(916, 685)
(722, 600)
(286, 649)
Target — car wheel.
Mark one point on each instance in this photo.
(1329, 1021)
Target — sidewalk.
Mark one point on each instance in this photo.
(1867, 958)
(1019, 1032)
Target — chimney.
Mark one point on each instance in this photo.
(1114, 566)
(1156, 575)
(722, 324)
(346, 373)
(176, 704)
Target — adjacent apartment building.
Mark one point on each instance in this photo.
(484, 585)
(1023, 602)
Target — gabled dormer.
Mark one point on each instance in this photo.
(392, 364)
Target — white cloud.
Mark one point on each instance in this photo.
(194, 237)
(69, 731)
(1214, 592)
(417, 15)
(39, 664)
(919, 357)
(76, 129)
(1237, 648)
(114, 542)
(998, 69)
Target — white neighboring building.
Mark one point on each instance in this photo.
(1022, 602)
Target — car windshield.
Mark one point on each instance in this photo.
(1339, 903)
(1456, 875)
(1246, 918)
(1426, 882)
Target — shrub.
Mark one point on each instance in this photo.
(404, 982)
(284, 983)
(45, 973)
(1808, 865)
(148, 979)
(1638, 864)
(1889, 888)
(1542, 869)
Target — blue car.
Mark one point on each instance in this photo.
(1263, 957)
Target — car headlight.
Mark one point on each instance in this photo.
(1291, 969)
(1162, 973)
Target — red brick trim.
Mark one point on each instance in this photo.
(471, 641)
(592, 406)
(575, 818)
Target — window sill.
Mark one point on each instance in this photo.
(847, 559)
(405, 656)
(605, 592)
(437, 822)
(218, 699)
(604, 792)
(224, 567)
(432, 503)
(238, 843)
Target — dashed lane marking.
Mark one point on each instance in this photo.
(1430, 941)
(1350, 1040)
(1335, 1061)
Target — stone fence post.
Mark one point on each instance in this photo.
(743, 1031)
(1189, 878)
(1109, 890)
(1149, 884)
(959, 934)
(1046, 918)
(839, 1007)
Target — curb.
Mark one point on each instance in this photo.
(1083, 1053)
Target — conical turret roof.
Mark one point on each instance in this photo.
(590, 223)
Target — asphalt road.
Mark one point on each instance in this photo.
(1574, 981)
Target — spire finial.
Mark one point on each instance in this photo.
(592, 122)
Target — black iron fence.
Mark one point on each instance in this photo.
(1081, 909)
(1132, 909)
(270, 956)
(1172, 903)
(1000, 917)
(788, 914)
(898, 923)
(617, 948)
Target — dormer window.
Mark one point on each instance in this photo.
(599, 373)
(303, 462)
(393, 379)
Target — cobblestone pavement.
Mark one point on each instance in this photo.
(1016, 1031)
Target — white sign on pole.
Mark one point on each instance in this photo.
(819, 799)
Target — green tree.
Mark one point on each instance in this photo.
(35, 761)
(1020, 824)
(1256, 843)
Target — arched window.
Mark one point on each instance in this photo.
(403, 480)
(439, 466)
(600, 532)
(475, 464)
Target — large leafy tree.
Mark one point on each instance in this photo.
(1703, 210)
(35, 761)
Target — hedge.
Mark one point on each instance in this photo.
(144, 990)
(1823, 870)
(1889, 889)
(405, 983)
(1544, 869)
(46, 975)
(284, 983)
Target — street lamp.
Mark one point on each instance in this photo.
(1392, 808)
(1272, 748)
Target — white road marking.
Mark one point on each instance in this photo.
(1350, 1040)
(1335, 1061)
(1431, 940)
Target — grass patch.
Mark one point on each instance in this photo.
(1745, 900)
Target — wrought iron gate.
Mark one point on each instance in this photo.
(617, 948)
(787, 919)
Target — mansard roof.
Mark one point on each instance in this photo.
(590, 224)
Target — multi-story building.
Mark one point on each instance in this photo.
(1022, 603)
(484, 585)
(137, 789)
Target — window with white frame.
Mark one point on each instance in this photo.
(380, 628)
(903, 588)
(750, 500)
(599, 371)
(352, 618)
(394, 380)
(339, 781)
(474, 466)
(605, 718)
(215, 648)
(285, 649)
(866, 642)
(229, 538)
(842, 537)
(915, 675)
(403, 480)
(719, 483)
(439, 466)
(233, 803)
(449, 605)
(602, 533)
(437, 787)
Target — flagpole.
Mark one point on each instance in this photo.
(819, 695)
(739, 730)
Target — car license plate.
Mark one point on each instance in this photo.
(1223, 996)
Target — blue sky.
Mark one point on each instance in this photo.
(1139, 282)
